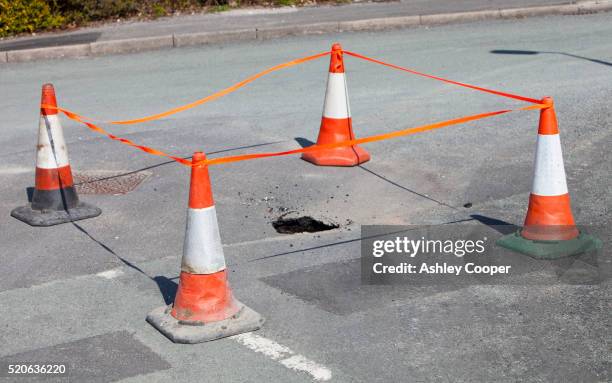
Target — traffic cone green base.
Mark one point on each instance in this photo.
(549, 249)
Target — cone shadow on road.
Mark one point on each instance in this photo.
(530, 53)
(405, 188)
(166, 286)
(498, 225)
(30, 193)
(304, 142)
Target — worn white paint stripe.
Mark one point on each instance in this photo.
(284, 355)
(263, 345)
(300, 363)
(15, 170)
(202, 250)
(336, 98)
(549, 178)
(51, 157)
(110, 274)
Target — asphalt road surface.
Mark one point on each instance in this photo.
(80, 292)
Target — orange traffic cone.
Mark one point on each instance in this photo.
(549, 230)
(204, 307)
(54, 200)
(336, 123)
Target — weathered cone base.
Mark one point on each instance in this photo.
(342, 156)
(549, 249)
(55, 217)
(245, 320)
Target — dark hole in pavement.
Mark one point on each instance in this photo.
(301, 225)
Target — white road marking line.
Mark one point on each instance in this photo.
(110, 274)
(300, 363)
(263, 345)
(16, 170)
(284, 355)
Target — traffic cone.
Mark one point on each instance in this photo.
(549, 231)
(336, 123)
(55, 199)
(204, 307)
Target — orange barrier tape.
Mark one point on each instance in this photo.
(245, 157)
(378, 137)
(204, 100)
(503, 94)
(95, 128)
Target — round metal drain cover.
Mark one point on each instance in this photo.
(101, 182)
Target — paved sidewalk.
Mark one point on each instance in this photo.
(251, 24)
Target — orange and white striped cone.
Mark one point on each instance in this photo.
(204, 307)
(336, 123)
(549, 230)
(55, 199)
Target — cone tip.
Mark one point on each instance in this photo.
(200, 192)
(48, 98)
(548, 100)
(548, 119)
(336, 64)
(198, 156)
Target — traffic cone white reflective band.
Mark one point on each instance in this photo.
(202, 250)
(336, 97)
(51, 151)
(549, 175)
(52, 166)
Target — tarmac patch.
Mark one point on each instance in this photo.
(337, 288)
(103, 358)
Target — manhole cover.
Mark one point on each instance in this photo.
(101, 182)
(301, 225)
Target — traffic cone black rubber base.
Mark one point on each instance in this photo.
(245, 320)
(549, 249)
(47, 217)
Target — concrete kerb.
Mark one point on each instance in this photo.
(132, 45)
(181, 40)
(569, 9)
(376, 24)
(380, 24)
(460, 17)
(294, 30)
(80, 50)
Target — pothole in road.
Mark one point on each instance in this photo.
(301, 225)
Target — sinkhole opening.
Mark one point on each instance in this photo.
(301, 225)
